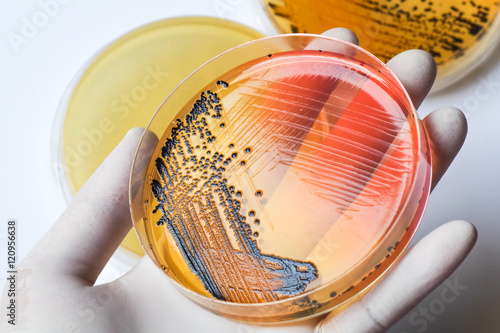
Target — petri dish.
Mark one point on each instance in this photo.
(292, 177)
(123, 85)
(459, 34)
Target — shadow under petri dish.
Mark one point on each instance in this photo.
(458, 34)
(125, 83)
(294, 175)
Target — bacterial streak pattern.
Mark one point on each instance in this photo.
(199, 207)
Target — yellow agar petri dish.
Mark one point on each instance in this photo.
(458, 34)
(294, 175)
(125, 83)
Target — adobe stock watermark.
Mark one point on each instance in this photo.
(422, 317)
(323, 251)
(95, 305)
(12, 277)
(31, 25)
(485, 88)
(120, 109)
(243, 328)
(223, 7)
(367, 33)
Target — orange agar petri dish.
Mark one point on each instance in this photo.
(124, 84)
(458, 34)
(294, 175)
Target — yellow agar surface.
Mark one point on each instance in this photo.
(125, 84)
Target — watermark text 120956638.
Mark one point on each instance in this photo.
(11, 270)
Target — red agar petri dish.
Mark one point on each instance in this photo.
(291, 179)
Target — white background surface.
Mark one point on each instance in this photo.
(35, 73)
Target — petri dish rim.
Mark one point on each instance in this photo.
(229, 309)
